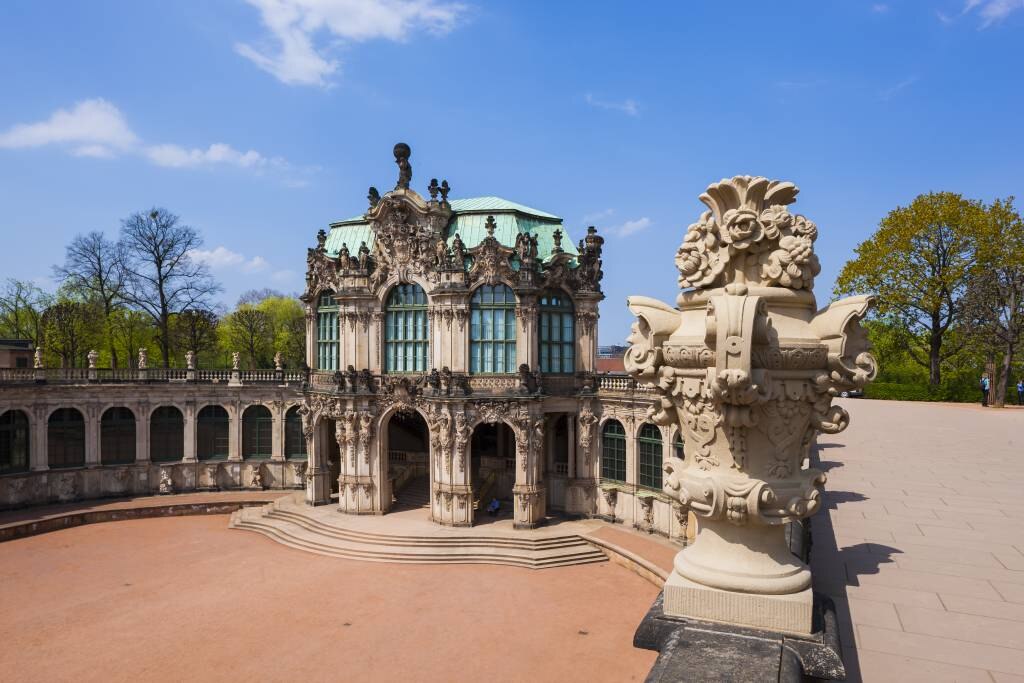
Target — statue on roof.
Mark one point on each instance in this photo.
(364, 256)
(444, 191)
(459, 251)
(433, 189)
(321, 239)
(589, 259)
(374, 197)
(344, 257)
(402, 153)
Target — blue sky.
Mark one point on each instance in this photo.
(259, 122)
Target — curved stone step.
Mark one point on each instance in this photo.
(290, 530)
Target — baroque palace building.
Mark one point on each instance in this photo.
(451, 357)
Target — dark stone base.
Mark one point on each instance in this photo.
(695, 650)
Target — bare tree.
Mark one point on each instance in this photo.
(254, 296)
(195, 330)
(249, 329)
(163, 278)
(21, 310)
(94, 269)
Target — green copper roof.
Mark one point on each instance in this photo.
(485, 204)
(468, 220)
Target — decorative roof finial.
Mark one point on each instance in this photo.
(402, 154)
(490, 226)
(321, 239)
(433, 189)
(444, 191)
(374, 197)
(557, 237)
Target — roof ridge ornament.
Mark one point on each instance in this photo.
(490, 225)
(433, 189)
(402, 153)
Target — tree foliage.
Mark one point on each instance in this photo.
(919, 263)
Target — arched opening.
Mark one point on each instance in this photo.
(492, 468)
(117, 436)
(14, 442)
(166, 435)
(492, 330)
(409, 460)
(650, 456)
(257, 433)
(333, 455)
(557, 334)
(406, 333)
(212, 428)
(613, 451)
(677, 446)
(294, 439)
(65, 438)
(558, 450)
(327, 332)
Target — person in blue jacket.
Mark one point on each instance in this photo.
(985, 384)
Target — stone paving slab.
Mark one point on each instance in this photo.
(921, 541)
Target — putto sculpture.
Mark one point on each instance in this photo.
(747, 367)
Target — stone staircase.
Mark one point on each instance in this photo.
(294, 524)
(415, 495)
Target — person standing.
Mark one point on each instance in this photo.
(984, 389)
(1020, 392)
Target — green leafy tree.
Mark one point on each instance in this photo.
(287, 328)
(995, 297)
(919, 263)
(248, 330)
(130, 331)
(195, 330)
(70, 330)
(21, 311)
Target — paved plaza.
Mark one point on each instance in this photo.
(923, 539)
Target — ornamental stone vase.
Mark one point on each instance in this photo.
(747, 367)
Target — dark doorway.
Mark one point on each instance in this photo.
(409, 461)
(333, 455)
(492, 466)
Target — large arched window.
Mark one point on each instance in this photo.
(613, 451)
(257, 433)
(557, 333)
(14, 441)
(294, 439)
(406, 339)
(65, 438)
(117, 436)
(212, 426)
(650, 456)
(166, 435)
(327, 332)
(492, 330)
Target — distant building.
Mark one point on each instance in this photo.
(16, 353)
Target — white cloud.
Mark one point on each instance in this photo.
(629, 107)
(630, 227)
(891, 92)
(175, 156)
(283, 276)
(93, 128)
(294, 25)
(598, 215)
(96, 128)
(222, 258)
(993, 11)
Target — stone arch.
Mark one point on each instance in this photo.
(213, 430)
(612, 437)
(257, 432)
(15, 441)
(294, 437)
(384, 289)
(65, 438)
(412, 466)
(166, 426)
(118, 425)
(406, 332)
(650, 455)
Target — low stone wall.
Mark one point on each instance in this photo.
(144, 479)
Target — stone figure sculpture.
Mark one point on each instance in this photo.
(277, 361)
(143, 359)
(37, 358)
(747, 368)
(402, 153)
(235, 360)
(92, 357)
(190, 360)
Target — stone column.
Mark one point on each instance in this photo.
(39, 456)
(235, 432)
(189, 440)
(318, 485)
(277, 431)
(91, 413)
(310, 336)
(747, 369)
(142, 433)
(529, 492)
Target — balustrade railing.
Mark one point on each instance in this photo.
(148, 375)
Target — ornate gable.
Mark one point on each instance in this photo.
(491, 259)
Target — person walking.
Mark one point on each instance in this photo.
(1020, 392)
(985, 384)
